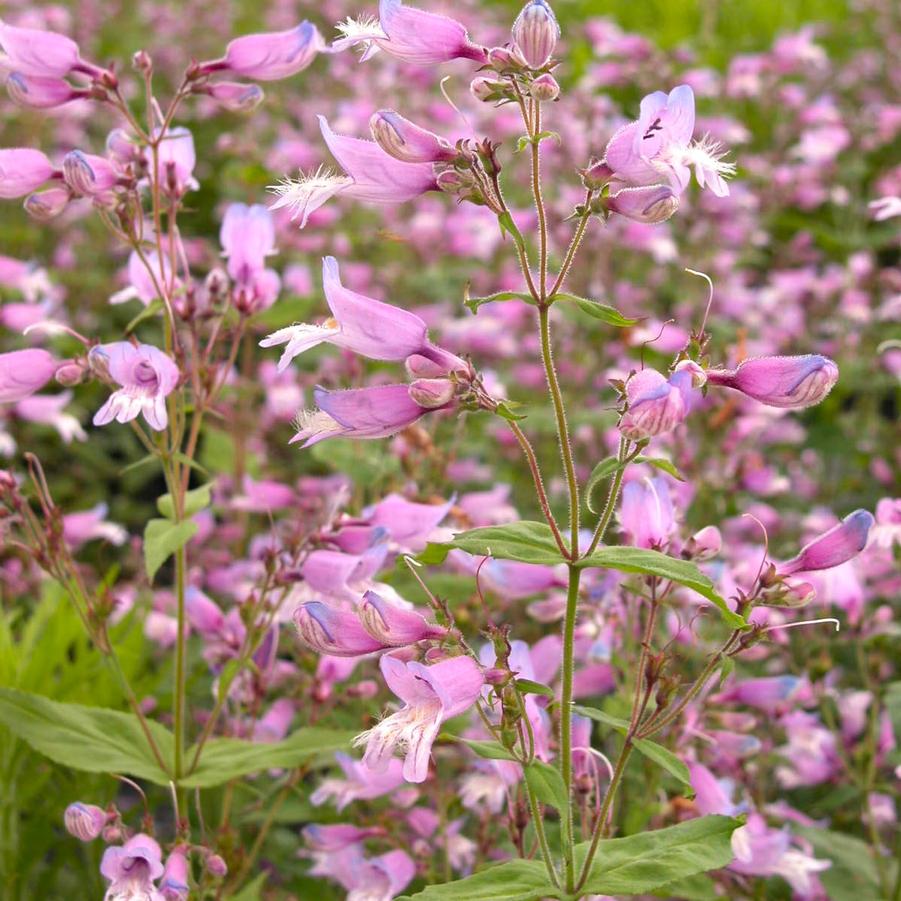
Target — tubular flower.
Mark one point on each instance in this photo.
(535, 33)
(40, 92)
(412, 35)
(361, 324)
(362, 413)
(646, 512)
(132, 869)
(838, 545)
(248, 237)
(790, 382)
(408, 142)
(22, 372)
(42, 54)
(269, 56)
(147, 377)
(431, 695)
(655, 404)
(331, 631)
(371, 175)
(658, 148)
(22, 170)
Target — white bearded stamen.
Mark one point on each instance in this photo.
(315, 422)
(365, 27)
(708, 154)
(308, 192)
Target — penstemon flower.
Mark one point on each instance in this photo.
(431, 695)
(146, 376)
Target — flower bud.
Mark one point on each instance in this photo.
(502, 58)
(535, 33)
(87, 174)
(45, 205)
(84, 821)
(841, 543)
(39, 93)
(141, 62)
(174, 881)
(596, 174)
(651, 204)
(488, 89)
(235, 95)
(70, 373)
(785, 594)
(432, 393)
(697, 373)
(704, 545)
(545, 88)
(407, 142)
(216, 866)
(789, 382)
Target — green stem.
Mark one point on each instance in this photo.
(612, 496)
(562, 429)
(539, 200)
(538, 822)
(573, 247)
(566, 762)
(599, 826)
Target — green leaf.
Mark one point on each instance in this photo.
(515, 880)
(475, 302)
(224, 759)
(663, 464)
(524, 140)
(195, 500)
(547, 784)
(693, 888)
(530, 687)
(162, 538)
(149, 312)
(490, 750)
(653, 563)
(853, 875)
(598, 310)
(253, 891)
(505, 410)
(601, 716)
(532, 542)
(643, 863)
(600, 473)
(93, 739)
(505, 221)
(663, 757)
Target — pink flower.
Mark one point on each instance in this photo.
(406, 141)
(839, 544)
(270, 56)
(535, 33)
(360, 782)
(371, 175)
(656, 404)
(411, 34)
(39, 53)
(658, 149)
(431, 695)
(329, 630)
(361, 413)
(393, 625)
(40, 92)
(361, 324)
(651, 204)
(132, 869)
(646, 512)
(366, 879)
(147, 377)
(84, 821)
(790, 382)
(89, 525)
(22, 170)
(174, 884)
(248, 237)
(22, 372)
(177, 158)
(87, 174)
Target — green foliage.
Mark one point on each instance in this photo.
(547, 784)
(533, 542)
(162, 538)
(223, 759)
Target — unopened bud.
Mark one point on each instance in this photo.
(84, 821)
(235, 95)
(488, 89)
(142, 62)
(45, 205)
(432, 393)
(216, 865)
(704, 545)
(408, 142)
(545, 88)
(651, 204)
(70, 373)
(535, 33)
(502, 58)
(596, 174)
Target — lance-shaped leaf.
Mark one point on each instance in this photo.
(516, 880)
(598, 310)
